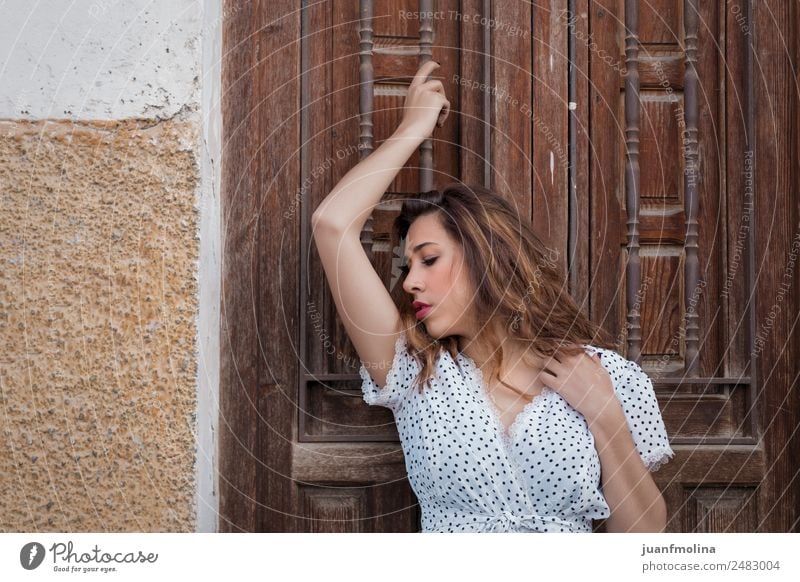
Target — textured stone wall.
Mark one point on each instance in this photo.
(98, 299)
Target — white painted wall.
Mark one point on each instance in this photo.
(210, 273)
(99, 59)
(113, 59)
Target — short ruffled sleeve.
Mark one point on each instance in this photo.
(635, 391)
(399, 380)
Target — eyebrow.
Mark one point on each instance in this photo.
(419, 246)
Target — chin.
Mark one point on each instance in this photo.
(431, 331)
(437, 332)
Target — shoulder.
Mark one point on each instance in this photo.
(611, 360)
(628, 377)
(636, 394)
(399, 378)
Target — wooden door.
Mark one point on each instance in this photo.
(676, 232)
(651, 169)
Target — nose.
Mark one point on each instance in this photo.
(411, 283)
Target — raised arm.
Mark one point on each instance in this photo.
(352, 200)
(367, 311)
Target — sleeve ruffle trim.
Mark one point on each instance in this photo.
(654, 460)
(381, 396)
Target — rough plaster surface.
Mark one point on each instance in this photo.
(98, 297)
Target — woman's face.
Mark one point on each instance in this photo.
(438, 276)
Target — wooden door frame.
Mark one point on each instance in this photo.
(255, 362)
(258, 365)
(774, 95)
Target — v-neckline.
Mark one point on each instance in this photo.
(505, 435)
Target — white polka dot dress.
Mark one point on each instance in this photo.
(543, 476)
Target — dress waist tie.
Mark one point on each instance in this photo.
(507, 521)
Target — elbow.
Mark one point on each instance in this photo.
(322, 217)
(316, 218)
(655, 520)
(651, 520)
(660, 512)
(321, 224)
(319, 214)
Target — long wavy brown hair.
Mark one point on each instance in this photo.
(516, 284)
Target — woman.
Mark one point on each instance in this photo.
(509, 405)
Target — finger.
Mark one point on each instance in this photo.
(434, 85)
(423, 72)
(548, 368)
(555, 363)
(594, 358)
(548, 377)
(444, 112)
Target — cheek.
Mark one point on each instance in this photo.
(467, 291)
(457, 286)
(440, 280)
(454, 275)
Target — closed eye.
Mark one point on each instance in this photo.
(428, 262)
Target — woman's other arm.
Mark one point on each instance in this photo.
(635, 502)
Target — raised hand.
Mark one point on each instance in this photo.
(425, 105)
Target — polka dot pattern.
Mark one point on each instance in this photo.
(543, 476)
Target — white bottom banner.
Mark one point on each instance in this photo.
(388, 557)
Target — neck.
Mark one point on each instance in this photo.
(481, 354)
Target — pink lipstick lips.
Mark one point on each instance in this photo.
(421, 308)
